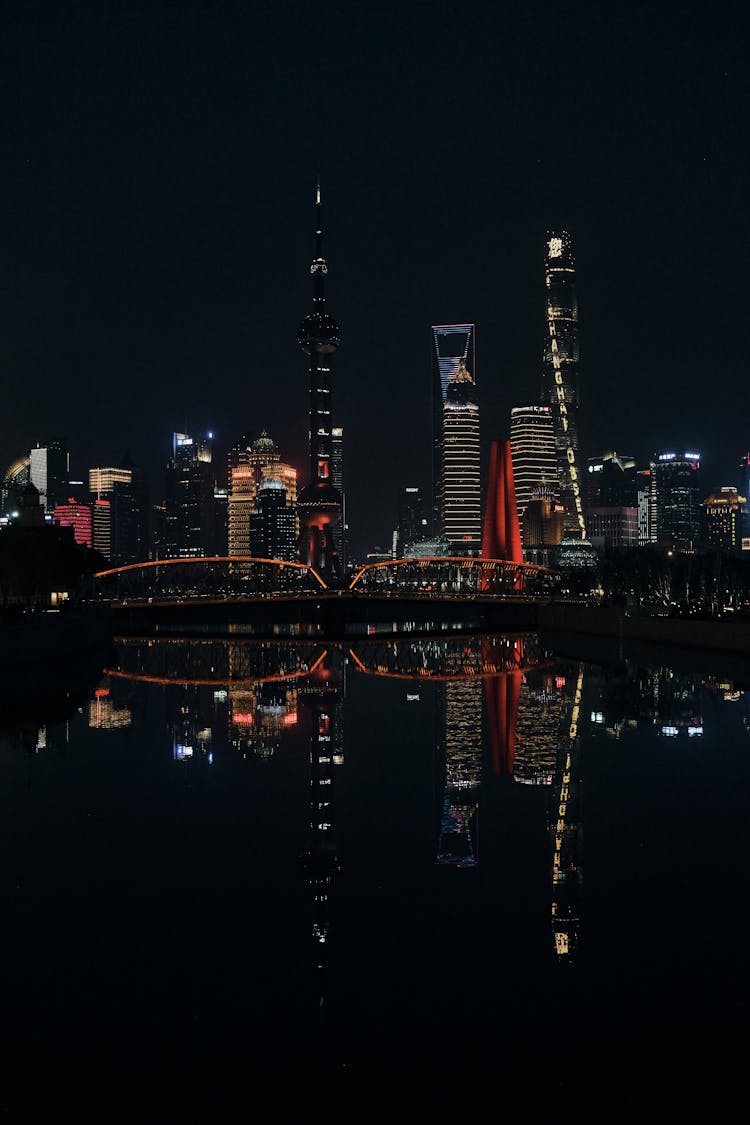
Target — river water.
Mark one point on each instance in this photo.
(444, 878)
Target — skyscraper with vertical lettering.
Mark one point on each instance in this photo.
(560, 375)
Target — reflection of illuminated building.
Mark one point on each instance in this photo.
(322, 696)
(259, 716)
(661, 697)
(104, 714)
(461, 706)
(540, 709)
(566, 829)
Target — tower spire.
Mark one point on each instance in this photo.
(319, 268)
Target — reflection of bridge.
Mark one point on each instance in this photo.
(245, 661)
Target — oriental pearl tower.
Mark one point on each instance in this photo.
(319, 504)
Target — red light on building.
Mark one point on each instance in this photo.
(243, 718)
(77, 516)
(290, 719)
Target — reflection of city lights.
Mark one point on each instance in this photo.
(181, 753)
(290, 719)
(243, 718)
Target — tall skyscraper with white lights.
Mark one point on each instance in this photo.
(560, 375)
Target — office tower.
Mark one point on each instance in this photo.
(124, 488)
(78, 516)
(612, 501)
(743, 482)
(560, 375)
(320, 504)
(221, 520)
(677, 495)
(646, 521)
(49, 472)
(724, 519)
(460, 485)
(611, 481)
(101, 527)
(286, 474)
(542, 529)
(412, 523)
(452, 344)
(272, 525)
(241, 505)
(532, 447)
(337, 476)
(189, 495)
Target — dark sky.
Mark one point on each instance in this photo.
(156, 207)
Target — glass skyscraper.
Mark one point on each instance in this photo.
(452, 345)
(456, 453)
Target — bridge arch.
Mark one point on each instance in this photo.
(458, 575)
(231, 572)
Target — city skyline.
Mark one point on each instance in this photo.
(156, 231)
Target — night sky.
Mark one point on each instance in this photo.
(156, 201)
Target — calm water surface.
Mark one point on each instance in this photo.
(428, 880)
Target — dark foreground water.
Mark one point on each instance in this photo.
(447, 880)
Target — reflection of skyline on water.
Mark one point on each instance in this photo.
(351, 815)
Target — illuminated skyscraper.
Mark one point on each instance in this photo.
(124, 489)
(677, 496)
(452, 345)
(532, 446)
(412, 524)
(189, 525)
(460, 483)
(241, 505)
(77, 516)
(560, 375)
(320, 504)
(272, 525)
(49, 472)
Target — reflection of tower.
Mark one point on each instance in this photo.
(320, 503)
(566, 830)
(322, 696)
(461, 706)
(560, 375)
